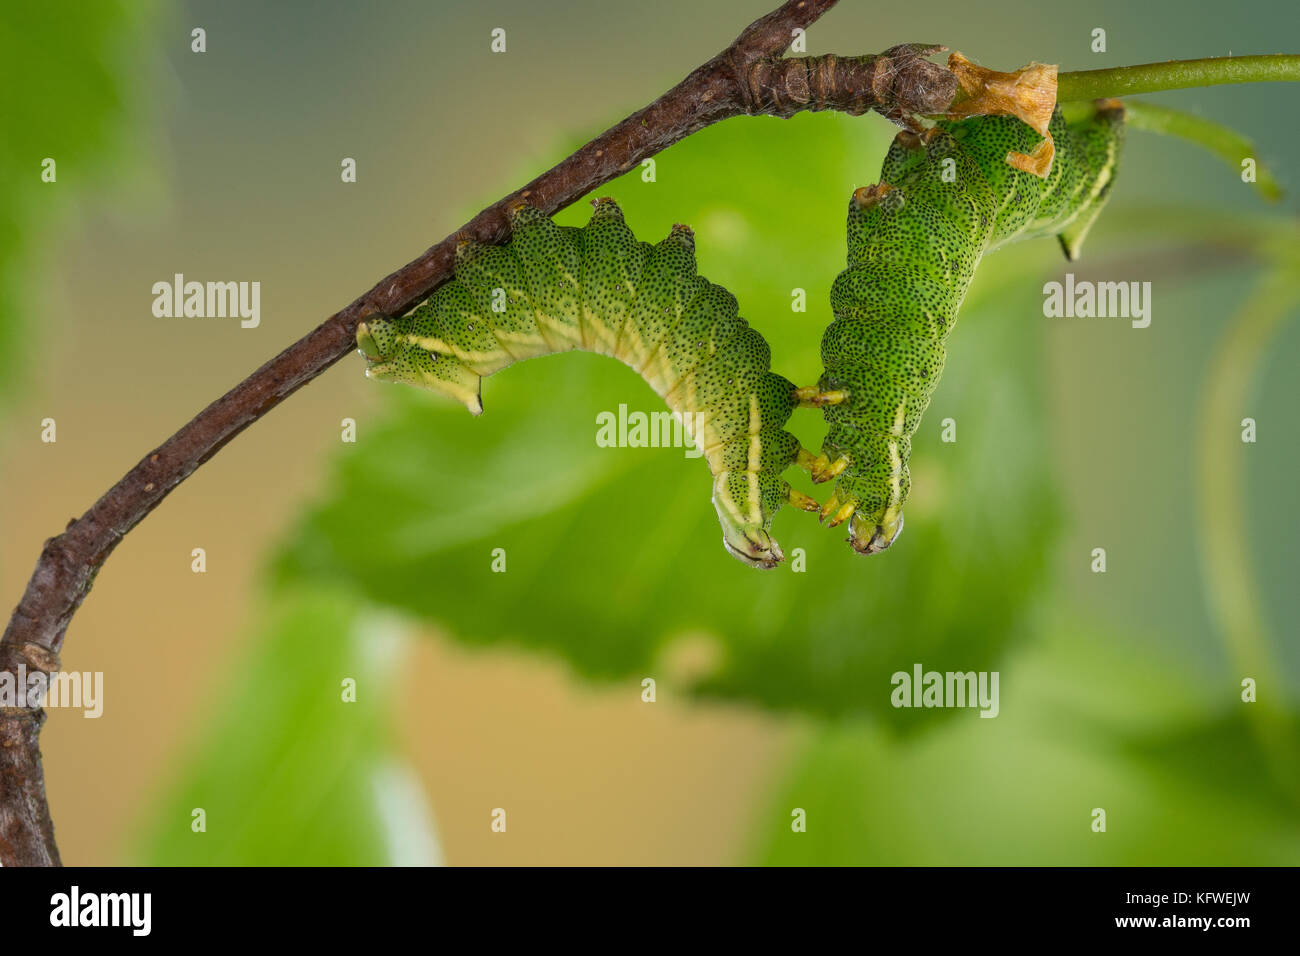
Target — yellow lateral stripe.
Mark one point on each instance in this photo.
(601, 336)
(895, 474)
(900, 418)
(720, 492)
(896, 459)
(754, 459)
(427, 342)
(525, 338)
(569, 335)
(467, 357)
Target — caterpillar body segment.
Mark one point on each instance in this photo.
(597, 288)
(946, 197)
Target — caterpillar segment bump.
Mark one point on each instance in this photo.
(599, 289)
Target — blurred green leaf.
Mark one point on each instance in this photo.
(1086, 721)
(67, 98)
(615, 554)
(1145, 228)
(290, 772)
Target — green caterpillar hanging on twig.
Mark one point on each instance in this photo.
(598, 289)
(946, 196)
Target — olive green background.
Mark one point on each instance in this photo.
(329, 561)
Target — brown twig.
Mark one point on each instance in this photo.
(750, 77)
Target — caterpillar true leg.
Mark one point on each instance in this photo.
(599, 289)
(819, 467)
(803, 502)
(914, 240)
(826, 469)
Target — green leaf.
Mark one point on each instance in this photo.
(291, 772)
(1085, 722)
(613, 556)
(79, 114)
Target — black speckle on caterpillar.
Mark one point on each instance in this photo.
(555, 288)
(914, 241)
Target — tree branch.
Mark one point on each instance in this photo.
(749, 77)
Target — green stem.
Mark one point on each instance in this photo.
(1222, 141)
(1226, 560)
(1176, 75)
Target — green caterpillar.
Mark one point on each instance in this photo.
(945, 197)
(599, 289)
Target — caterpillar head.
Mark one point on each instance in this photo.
(393, 356)
(751, 543)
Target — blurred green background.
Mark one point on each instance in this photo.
(371, 562)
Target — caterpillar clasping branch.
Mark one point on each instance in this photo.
(946, 195)
(1002, 164)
